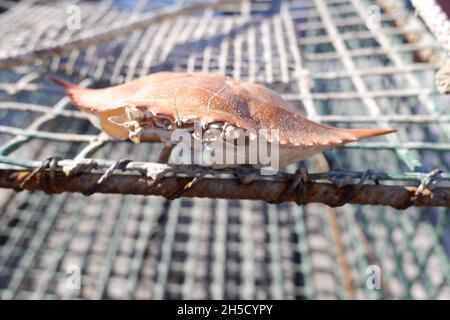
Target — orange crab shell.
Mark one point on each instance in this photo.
(209, 98)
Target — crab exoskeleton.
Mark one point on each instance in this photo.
(210, 108)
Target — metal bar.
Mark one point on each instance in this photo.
(387, 70)
(395, 196)
(149, 168)
(345, 22)
(369, 52)
(352, 35)
(56, 136)
(399, 118)
(394, 93)
(27, 107)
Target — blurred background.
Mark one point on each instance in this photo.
(350, 63)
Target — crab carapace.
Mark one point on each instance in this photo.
(152, 107)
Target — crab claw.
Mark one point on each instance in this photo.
(117, 120)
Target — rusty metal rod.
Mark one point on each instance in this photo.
(268, 190)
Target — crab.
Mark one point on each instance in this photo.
(209, 108)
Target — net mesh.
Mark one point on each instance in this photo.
(322, 56)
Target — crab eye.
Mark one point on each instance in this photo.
(133, 113)
(162, 123)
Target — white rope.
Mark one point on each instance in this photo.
(437, 21)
